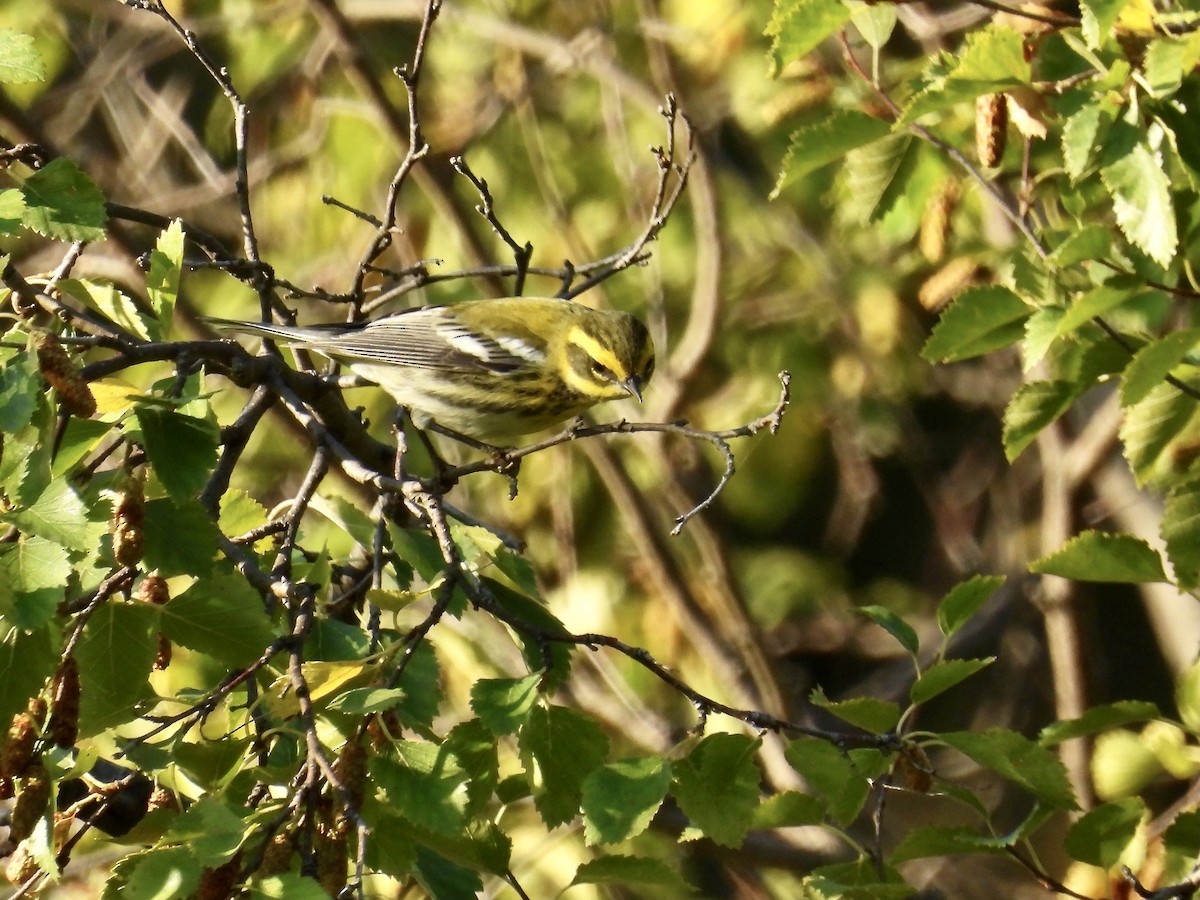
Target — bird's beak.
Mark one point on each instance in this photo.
(633, 385)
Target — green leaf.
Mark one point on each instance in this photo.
(364, 701)
(20, 63)
(873, 177)
(443, 879)
(868, 713)
(991, 61)
(980, 319)
(474, 746)
(1098, 719)
(422, 685)
(35, 571)
(1097, 302)
(1103, 834)
(1141, 194)
(162, 281)
(182, 449)
(1103, 556)
(568, 746)
(59, 516)
(817, 145)
(788, 809)
(221, 616)
(798, 26)
(1153, 427)
(1153, 362)
(964, 600)
(212, 829)
(1180, 530)
(941, 676)
(27, 659)
(893, 625)
(162, 873)
(12, 212)
(287, 886)
(831, 776)
(619, 799)
(424, 786)
(503, 704)
(1082, 136)
(858, 880)
(63, 204)
(19, 390)
(942, 840)
(1018, 759)
(534, 649)
(1034, 406)
(115, 656)
(180, 539)
(630, 870)
(717, 786)
(1088, 243)
(874, 22)
(118, 307)
(1099, 17)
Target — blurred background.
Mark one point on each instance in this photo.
(887, 481)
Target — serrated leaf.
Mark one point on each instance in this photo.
(1082, 135)
(287, 886)
(474, 746)
(798, 26)
(211, 829)
(1103, 834)
(717, 786)
(119, 308)
(1088, 243)
(1018, 759)
(424, 786)
(1099, 16)
(858, 880)
(12, 212)
(1153, 362)
(162, 281)
(181, 449)
(868, 713)
(831, 776)
(115, 656)
(162, 873)
(20, 63)
(1180, 530)
(827, 141)
(1141, 195)
(621, 798)
(941, 676)
(58, 515)
(1098, 719)
(1152, 427)
(964, 600)
(33, 572)
(630, 870)
(893, 625)
(180, 539)
(942, 840)
(63, 204)
(1034, 406)
(1103, 556)
(27, 659)
(19, 390)
(365, 701)
(788, 809)
(872, 174)
(991, 61)
(568, 746)
(980, 319)
(503, 704)
(221, 616)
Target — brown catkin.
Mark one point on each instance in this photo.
(162, 656)
(128, 518)
(218, 883)
(63, 727)
(153, 589)
(351, 771)
(18, 747)
(277, 855)
(943, 285)
(32, 797)
(991, 128)
(935, 223)
(21, 865)
(330, 847)
(59, 371)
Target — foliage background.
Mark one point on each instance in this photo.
(887, 483)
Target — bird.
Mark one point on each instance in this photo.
(492, 369)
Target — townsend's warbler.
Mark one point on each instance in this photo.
(492, 369)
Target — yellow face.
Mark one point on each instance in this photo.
(615, 359)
